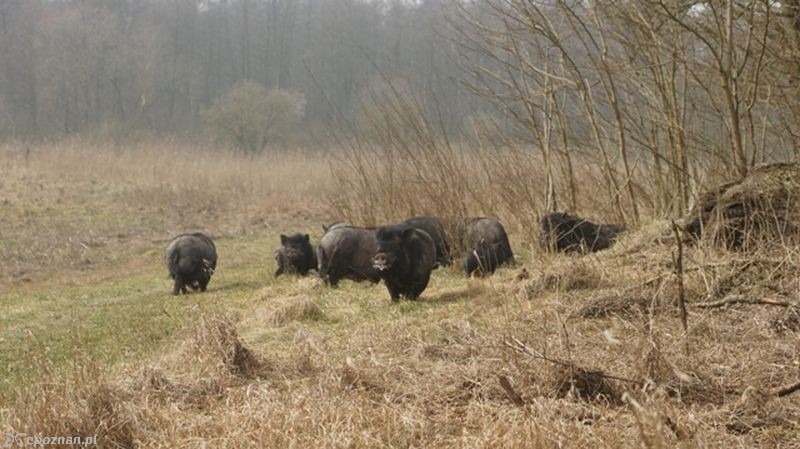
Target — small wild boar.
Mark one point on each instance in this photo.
(345, 252)
(191, 260)
(486, 246)
(564, 233)
(404, 259)
(296, 255)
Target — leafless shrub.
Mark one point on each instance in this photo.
(661, 89)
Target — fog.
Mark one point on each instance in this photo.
(155, 65)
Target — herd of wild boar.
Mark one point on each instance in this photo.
(403, 255)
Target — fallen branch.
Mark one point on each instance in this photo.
(784, 390)
(742, 299)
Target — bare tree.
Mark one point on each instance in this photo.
(658, 85)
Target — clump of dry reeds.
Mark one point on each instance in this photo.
(90, 401)
(84, 403)
(216, 347)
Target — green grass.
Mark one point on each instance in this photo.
(128, 316)
(133, 313)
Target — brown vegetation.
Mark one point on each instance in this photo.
(77, 204)
(758, 210)
(619, 111)
(580, 350)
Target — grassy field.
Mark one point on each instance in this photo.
(560, 351)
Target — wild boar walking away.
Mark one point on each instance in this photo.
(435, 229)
(191, 260)
(564, 233)
(345, 252)
(486, 246)
(296, 255)
(404, 258)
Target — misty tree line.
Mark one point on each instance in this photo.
(72, 66)
(663, 90)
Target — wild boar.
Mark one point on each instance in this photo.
(345, 252)
(404, 259)
(191, 260)
(296, 255)
(486, 246)
(564, 233)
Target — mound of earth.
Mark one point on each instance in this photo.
(760, 208)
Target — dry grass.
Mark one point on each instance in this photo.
(74, 204)
(591, 347)
(377, 185)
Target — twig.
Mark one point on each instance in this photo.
(510, 392)
(742, 299)
(164, 311)
(784, 390)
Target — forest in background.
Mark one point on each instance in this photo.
(678, 93)
(78, 66)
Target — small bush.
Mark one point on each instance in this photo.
(250, 116)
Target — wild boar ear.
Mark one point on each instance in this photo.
(325, 228)
(284, 239)
(408, 232)
(305, 237)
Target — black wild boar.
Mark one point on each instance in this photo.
(295, 255)
(345, 252)
(433, 226)
(563, 232)
(486, 246)
(404, 258)
(191, 260)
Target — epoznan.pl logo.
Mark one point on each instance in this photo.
(14, 439)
